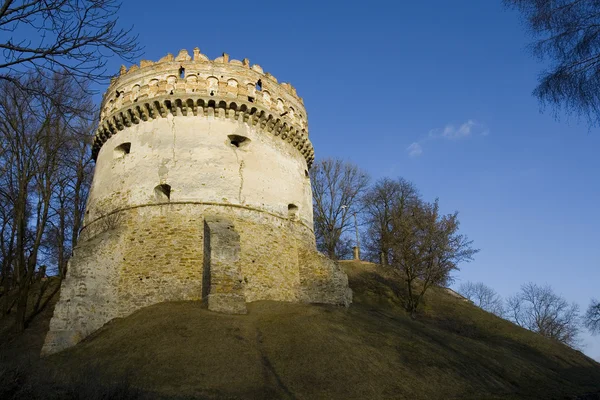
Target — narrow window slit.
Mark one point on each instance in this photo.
(162, 193)
(238, 141)
(122, 150)
(292, 211)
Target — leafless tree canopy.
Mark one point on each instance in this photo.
(75, 36)
(380, 202)
(483, 297)
(426, 248)
(45, 171)
(337, 189)
(567, 34)
(592, 317)
(540, 310)
(49, 52)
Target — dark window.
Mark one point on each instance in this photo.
(292, 211)
(238, 141)
(122, 150)
(162, 193)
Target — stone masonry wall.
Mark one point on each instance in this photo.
(155, 253)
(89, 295)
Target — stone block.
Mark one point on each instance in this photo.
(223, 283)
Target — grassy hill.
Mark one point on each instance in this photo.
(372, 350)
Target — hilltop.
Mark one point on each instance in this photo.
(373, 349)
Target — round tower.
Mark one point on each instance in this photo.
(201, 191)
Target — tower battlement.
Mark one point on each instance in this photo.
(186, 85)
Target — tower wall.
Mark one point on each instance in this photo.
(182, 142)
(195, 157)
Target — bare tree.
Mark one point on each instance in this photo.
(383, 199)
(72, 37)
(7, 252)
(71, 190)
(567, 37)
(50, 51)
(483, 297)
(540, 310)
(337, 188)
(592, 317)
(35, 132)
(426, 248)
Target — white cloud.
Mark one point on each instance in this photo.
(414, 150)
(449, 132)
(452, 132)
(462, 132)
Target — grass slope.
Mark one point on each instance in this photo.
(298, 351)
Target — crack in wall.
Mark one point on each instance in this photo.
(172, 123)
(240, 172)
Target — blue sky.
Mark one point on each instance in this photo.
(434, 91)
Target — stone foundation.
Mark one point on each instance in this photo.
(147, 255)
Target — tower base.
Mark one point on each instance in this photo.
(223, 254)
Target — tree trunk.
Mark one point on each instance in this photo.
(6, 286)
(21, 268)
(22, 307)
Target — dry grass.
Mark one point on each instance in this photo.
(372, 350)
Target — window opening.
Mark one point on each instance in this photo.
(292, 211)
(238, 141)
(162, 193)
(181, 72)
(259, 85)
(122, 150)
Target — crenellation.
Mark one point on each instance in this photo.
(186, 62)
(166, 59)
(183, 56)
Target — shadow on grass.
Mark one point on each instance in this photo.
(21, 382)
(488, 354)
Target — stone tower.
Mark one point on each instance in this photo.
(201, 191)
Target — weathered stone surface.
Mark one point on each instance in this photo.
(322, 280)
(201, 189)
(223, 285)
(89, 294)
